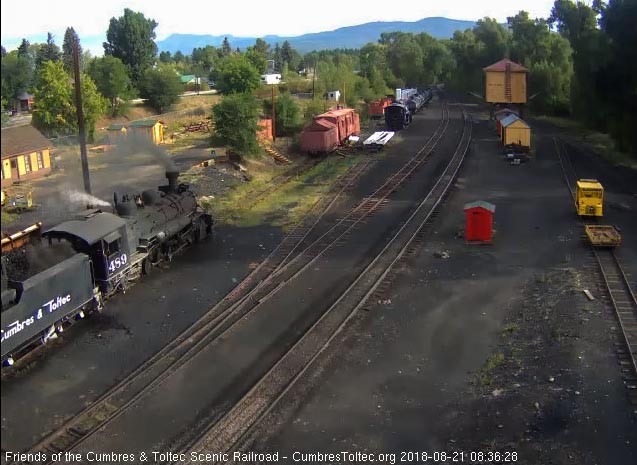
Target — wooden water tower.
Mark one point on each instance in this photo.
(505, 85)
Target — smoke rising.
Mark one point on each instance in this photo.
(80, 199)
(136, 148)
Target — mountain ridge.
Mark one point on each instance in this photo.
(354, 36)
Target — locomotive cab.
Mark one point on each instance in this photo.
(103, 237)
(589, 198)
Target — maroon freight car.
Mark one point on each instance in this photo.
(344, 122)
(319, 137)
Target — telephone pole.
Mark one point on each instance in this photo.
(273, 117)
(80, 116)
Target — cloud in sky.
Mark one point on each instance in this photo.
(239, 18)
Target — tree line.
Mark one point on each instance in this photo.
(581, 61)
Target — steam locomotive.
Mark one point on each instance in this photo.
(399, 114)
(91, 258)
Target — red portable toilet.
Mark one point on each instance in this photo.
(479, 227)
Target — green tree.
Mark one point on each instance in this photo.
(111, 78)
(54, 109)
(131, 38)
(617, 79)
(257, 59)
(48, 51)
(237, 75)
(262, 46)
(94, 105)
(161, 87)
(23, 48)
(16, 75)
(287, 114)
(226, 49)
(165, 57)
(67, 49)
(236, 118)
(277, 56)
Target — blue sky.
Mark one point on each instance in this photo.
(90, 18)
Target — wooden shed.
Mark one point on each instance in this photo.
(116, 132)
(151, 128)
(26, 154)
(499, 116)
(515, 132)
(505, 82)
(479, 221)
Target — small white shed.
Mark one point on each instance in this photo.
(271, 78)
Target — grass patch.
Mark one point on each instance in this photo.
(8, 218)
(247, 205)
(601, 143)
(189, 140)
(485, 376)
(510, 329)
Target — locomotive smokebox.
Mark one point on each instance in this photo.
(172, 176)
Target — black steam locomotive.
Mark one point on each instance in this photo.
(82, 262)
(397, 116)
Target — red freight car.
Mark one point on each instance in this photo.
(376, 108)
(319, 137)
(346, 120)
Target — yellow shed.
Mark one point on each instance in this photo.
(26, 154)
(505, 82)
(151, 128)
(515, 131)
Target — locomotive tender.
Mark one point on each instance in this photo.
(107, 252)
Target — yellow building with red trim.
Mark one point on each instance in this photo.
(26, 154)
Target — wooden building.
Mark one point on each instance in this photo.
(505, 82)
(153, 129)
(26, 154)
(515, 132)
(116, 133)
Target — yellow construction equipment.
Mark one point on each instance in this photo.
(603, 235)
(19, 203)
(589, 197)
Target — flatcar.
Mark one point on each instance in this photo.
(82, 262)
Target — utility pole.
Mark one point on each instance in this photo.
(80, 116)
(273, 117)
(343, 94)
(313, 79)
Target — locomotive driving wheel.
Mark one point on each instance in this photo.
(147, 266)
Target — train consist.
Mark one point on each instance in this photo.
(408, 102)
(82, 262)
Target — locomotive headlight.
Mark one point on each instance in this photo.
(161, 236)
(9, 362)
(80, 315)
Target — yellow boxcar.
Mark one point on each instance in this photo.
(589, 197)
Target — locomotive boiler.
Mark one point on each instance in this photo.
(82, 262)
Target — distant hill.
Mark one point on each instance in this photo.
(344, 37)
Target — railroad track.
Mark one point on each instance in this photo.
(617, 285)
(278, 268)
(230, 431)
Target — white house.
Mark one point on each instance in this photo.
(334, 95)
(271, 78)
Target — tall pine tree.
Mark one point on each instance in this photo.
(67, 49)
